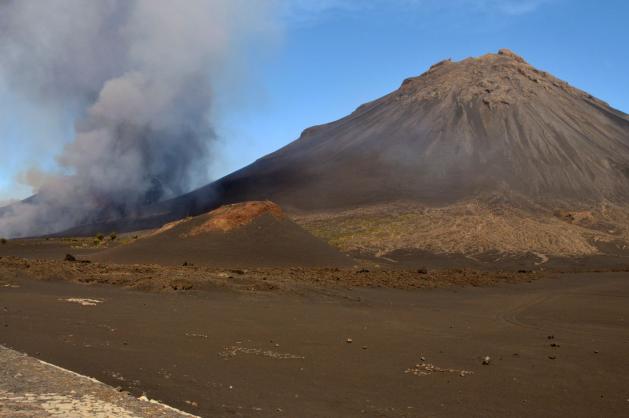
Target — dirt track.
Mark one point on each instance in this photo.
(223, 354)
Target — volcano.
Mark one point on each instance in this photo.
(250, 234)
(485, 154)
(492, 125)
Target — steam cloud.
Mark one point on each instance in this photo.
(140, 74)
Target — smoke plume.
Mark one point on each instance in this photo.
(139, 75)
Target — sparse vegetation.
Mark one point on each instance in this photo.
(3, 241)
(100, 237)
(468, 228)
(113, 236)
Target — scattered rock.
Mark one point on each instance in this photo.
(234, 350)
(555, 345)
(551, 337)
(181, 284)
(425, 369)
(508, 53)
(440, 63)
(362, 271)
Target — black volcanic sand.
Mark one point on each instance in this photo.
(45, 249)
(220, 354)
(264, 242)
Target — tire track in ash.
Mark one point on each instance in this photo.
(514, 316)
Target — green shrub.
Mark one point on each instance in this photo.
(100, 237)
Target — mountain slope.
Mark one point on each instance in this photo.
(492, 125)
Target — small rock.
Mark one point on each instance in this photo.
(551, 337)
(362, 271)
(70, 258)
(486, 361)
(422, 271)
(422, 358)
(595, 351)
(349, 341)
(364, 347)
(552, 357)
(555, 345)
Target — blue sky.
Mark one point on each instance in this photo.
(333, 55)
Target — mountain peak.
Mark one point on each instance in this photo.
(497, 80)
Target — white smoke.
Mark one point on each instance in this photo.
(140, 74)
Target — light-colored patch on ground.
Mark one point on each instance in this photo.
(233, 350)
(9, 285)
(58, 405)
(425, 369)
(543, 258)
(83, 301)
(34, 388)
